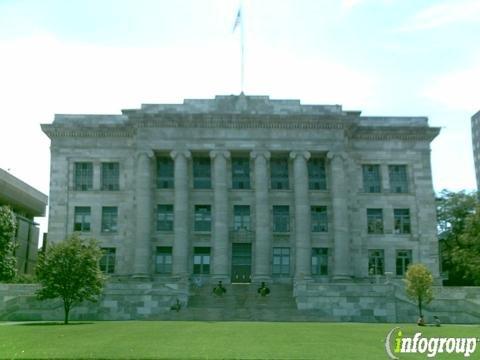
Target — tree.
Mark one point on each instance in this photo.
(8, 262)
(466, 253)
(70, 270)
(418, 285)
(454, 212)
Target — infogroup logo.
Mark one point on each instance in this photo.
(396, 343)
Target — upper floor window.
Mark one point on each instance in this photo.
(281, 219)
(241, 217)
(401, 218)
(279, 173)
(376, 260)
(203, 218)
(403, 260)
(398, 178)
(163, 260)
(201, 260)
(110, 176)
(201, 173)
(317, 179)
(165, 218)
(109, 218)
(107, 261)
(164, 172)
(375, 221)
(83, 176)
(372, 182)
(319, 219)
(319, 261)
(240, 173)
(82, 218)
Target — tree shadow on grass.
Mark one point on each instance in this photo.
(50, 323)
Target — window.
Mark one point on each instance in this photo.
(319, 261)
(83, 174)
(163, 260)
(317, 179)
(401, 218)
(241, 217)
(403, 260)
(110, 176)
(319, 219)
(201, 260)
(109, 218)
(82, 218)
(107, 261)
(372, 182)
(375, 221)
(279, 173)
(164, 172)
(281, 219)
(164, 217)
(281, 261)
(375, 262)
(203, 218)
(201, 173)
(240, 173)
(398, 178)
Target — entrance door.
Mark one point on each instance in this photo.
(241, 263)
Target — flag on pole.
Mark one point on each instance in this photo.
(238, 19)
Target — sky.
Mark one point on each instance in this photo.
(383, 57)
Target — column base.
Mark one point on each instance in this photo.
(225, 279)
(258, 279)
(342, 278)
(142, 277)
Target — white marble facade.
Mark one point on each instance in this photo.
(259, 129)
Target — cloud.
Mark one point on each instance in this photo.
(443, 14)
(457, 90)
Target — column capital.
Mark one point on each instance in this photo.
(337, 154)
(305, 154)
(148, 152)
(224, 153)
(186, 153)
(256, 153)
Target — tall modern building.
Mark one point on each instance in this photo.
(27, 203)
(476, 145)
(246, 189)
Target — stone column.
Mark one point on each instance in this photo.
(263, 242)
(302, 215)
(220, 207)
(144, 211)
(339, 192)
(181, 208)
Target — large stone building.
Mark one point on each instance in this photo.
(476, 145)
(27, 203)
(244, 188)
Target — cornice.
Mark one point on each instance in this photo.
(395, 133)
(54, 131)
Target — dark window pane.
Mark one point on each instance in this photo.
(317, 179)
(110, 176)
(279, 173)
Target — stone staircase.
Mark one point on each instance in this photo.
(241, 302)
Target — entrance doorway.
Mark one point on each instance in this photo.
(241, 263)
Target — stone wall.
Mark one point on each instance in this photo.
(119, 301)
(387, 303)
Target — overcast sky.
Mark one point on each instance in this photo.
(383, 57)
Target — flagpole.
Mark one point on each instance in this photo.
(242, 49)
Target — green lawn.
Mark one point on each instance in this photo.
(212, 340)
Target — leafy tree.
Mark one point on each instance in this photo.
(8, 262)
(69, 270)
(466, 254)
(418, 285)
(454, 210)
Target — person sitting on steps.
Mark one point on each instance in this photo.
(263, 290)
(219, 290)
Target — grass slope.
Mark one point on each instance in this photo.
(212, 340)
